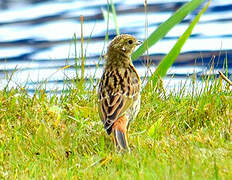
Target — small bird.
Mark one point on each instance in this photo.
(119, 89)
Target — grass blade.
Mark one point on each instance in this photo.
(165, 27)
(82, 51)
(115, 17)
(76, 58)
(169, 59)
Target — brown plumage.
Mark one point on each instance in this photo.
(119, 89)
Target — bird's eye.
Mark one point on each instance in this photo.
(130, 41)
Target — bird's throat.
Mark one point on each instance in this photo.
(119, 59)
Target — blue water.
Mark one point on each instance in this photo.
(36, 39)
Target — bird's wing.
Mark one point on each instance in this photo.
(117, 90)
(110, 112)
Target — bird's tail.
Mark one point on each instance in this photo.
(120, 134)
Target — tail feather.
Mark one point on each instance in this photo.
(120, 139)
(120, 133)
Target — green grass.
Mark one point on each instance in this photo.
(166, 26)
(175, 136)
(170, 58)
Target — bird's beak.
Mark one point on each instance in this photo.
(138, 42)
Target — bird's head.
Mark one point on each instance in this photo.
(124, 44)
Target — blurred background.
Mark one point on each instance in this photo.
(36, 39)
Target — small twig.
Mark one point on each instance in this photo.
(101, 162)
(225, 78)
(137, 133)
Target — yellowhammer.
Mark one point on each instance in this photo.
(119, 89)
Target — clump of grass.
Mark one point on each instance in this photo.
(174, 137)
